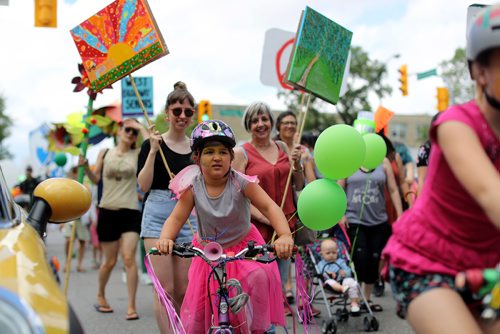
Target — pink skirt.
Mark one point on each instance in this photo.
(260, 281)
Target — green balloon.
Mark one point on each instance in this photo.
(364, 126)
(339, 151)
(321, 204)
(375, 150)
(60, 159)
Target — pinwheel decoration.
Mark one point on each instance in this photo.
(83, 82)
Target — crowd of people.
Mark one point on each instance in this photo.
(416, 238)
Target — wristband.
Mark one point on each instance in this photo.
(408, 193)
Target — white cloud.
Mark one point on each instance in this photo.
(216, 48)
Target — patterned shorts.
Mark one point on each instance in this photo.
(407, 286)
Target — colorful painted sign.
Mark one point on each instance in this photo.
(118, 40)
(319, 56)
(130, 103)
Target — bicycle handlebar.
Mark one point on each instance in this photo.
(250, 252)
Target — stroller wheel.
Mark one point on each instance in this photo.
(341, 315)
(366, 324)
(329, 327)
(370, 324)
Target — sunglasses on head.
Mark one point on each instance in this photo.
(135, 132)
(187, 111)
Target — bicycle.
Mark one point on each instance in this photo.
(212, 254)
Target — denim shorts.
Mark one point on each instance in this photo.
(159, 205)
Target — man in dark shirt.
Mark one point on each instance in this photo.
(29, 185)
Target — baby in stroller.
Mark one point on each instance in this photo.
(337, 274)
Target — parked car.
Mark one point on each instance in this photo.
(31, 301)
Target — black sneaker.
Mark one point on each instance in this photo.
(378, 288)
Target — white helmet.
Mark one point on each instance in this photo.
(484, 32)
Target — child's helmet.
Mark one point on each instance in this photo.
(484, 32)
(213, 129)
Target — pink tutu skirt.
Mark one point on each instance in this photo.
(260, 281)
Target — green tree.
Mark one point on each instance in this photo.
(366, 78)
(455, 72)
(5, 124)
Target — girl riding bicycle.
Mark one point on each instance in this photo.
(222, 197)
(455, 224)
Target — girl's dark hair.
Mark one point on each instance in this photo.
(195, 156)
(283, 115)
(391, 151)
(309, 139)
(484, 57)
(179, 94)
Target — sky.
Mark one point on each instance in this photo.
(216, 49)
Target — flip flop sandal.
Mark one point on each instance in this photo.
(103, 308)
(132, 316)
(289, 297)
(373, 307)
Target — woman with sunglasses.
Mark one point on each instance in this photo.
(153, 178)
(119, 217)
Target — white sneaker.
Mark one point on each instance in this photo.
(355, 309)
(145, 279)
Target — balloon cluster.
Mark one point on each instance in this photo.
(339, 152)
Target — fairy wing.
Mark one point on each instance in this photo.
(184, 180)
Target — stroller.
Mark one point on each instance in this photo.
(335, 302)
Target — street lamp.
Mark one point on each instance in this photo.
(394, 56)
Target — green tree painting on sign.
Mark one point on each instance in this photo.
(319, 56)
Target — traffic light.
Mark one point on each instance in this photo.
(46, 13)
(204, 111)
(443, 97)
(403, 71)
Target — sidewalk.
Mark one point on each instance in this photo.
(82, 292)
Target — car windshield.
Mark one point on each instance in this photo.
(6, 203)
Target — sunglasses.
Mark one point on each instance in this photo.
(135, 132)
(187, 111)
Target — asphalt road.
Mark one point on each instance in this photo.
(82, 292)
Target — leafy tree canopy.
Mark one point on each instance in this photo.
(5, 124)
(455, 73)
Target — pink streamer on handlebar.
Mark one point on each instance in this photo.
(164, 299)
(305, 314)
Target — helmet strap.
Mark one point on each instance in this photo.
(492, 101)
